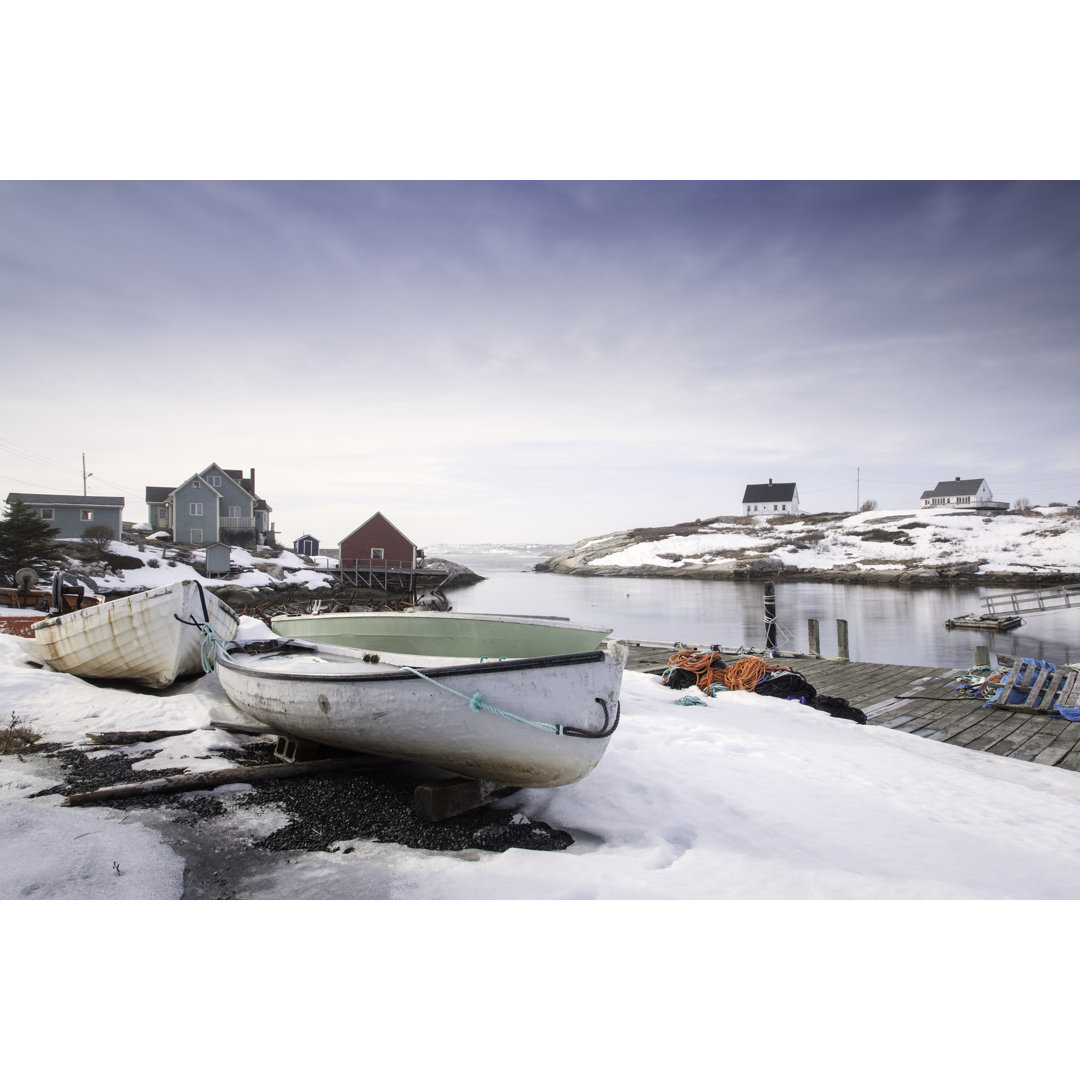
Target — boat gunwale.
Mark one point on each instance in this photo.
(444, 616)
(528, 663)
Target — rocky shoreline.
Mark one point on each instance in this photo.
(901, 550)
(769, 570)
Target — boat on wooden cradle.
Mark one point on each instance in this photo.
(527, 722)
(444, 633)
(984, 622)
(150, 638)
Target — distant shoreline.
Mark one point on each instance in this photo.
(932, 577)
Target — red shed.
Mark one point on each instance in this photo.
(379, 545)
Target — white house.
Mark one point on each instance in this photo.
(764, 500)
(966, 494)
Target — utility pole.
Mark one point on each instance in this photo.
(85, 474)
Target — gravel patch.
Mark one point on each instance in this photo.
(324, 811)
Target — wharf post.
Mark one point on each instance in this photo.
(842, 639)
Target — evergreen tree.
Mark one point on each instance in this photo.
(25, 540)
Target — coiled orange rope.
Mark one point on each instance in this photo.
(743, 674)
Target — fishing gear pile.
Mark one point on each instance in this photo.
(708, 671)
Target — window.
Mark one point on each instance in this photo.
(86, 515)
(215, 481)
(234, 511)
(195, 509)
(376, 553)
(162, 514)
(195, 483)
(775, 507)
(46, 513)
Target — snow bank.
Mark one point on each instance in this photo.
(743, 797)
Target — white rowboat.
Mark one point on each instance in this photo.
(150, 638)
(529, 722)
(439, 633)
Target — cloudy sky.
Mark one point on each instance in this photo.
(540, 361)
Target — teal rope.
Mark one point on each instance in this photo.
(208, 647)
(477, 703)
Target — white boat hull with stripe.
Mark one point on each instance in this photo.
(532, 722)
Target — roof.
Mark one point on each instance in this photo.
(769, 493)
(68, 500)
(157, 494)
(379, 514)
(946, 488)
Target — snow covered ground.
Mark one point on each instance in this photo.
(744, 797)
(737, 808)
(1043, 542)
(161, 567)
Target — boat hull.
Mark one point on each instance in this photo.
(433, 633)
(135, 638)
(435, 717)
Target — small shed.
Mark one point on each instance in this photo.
(306, 545)
(378, 544)
(218, 559)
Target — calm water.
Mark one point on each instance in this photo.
(885, 625)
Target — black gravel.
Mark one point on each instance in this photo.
(325, 810)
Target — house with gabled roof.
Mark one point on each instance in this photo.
(74, 514)
(965, 494)
(378, 544)
(764, 500)
(214, 505)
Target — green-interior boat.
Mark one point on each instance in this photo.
(444, 633)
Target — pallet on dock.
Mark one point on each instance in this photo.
(1045, 688)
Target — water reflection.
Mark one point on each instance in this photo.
(885, 625)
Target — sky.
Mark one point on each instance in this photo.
(539, 361)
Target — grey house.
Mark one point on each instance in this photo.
(306, 545)
(764, 500)
(215, 505)
(966, 494)
(74, 514)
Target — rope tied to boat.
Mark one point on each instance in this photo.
(478, 704)
(208, 647)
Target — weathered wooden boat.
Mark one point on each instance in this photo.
(527, 722)
(150, 638)
(443, 633)
(984, 622)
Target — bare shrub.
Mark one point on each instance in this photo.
(98, 536)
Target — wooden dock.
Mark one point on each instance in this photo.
(920, 700)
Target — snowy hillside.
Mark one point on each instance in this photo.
(129, 567)
(884, 545)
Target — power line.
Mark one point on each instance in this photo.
(37, 459)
